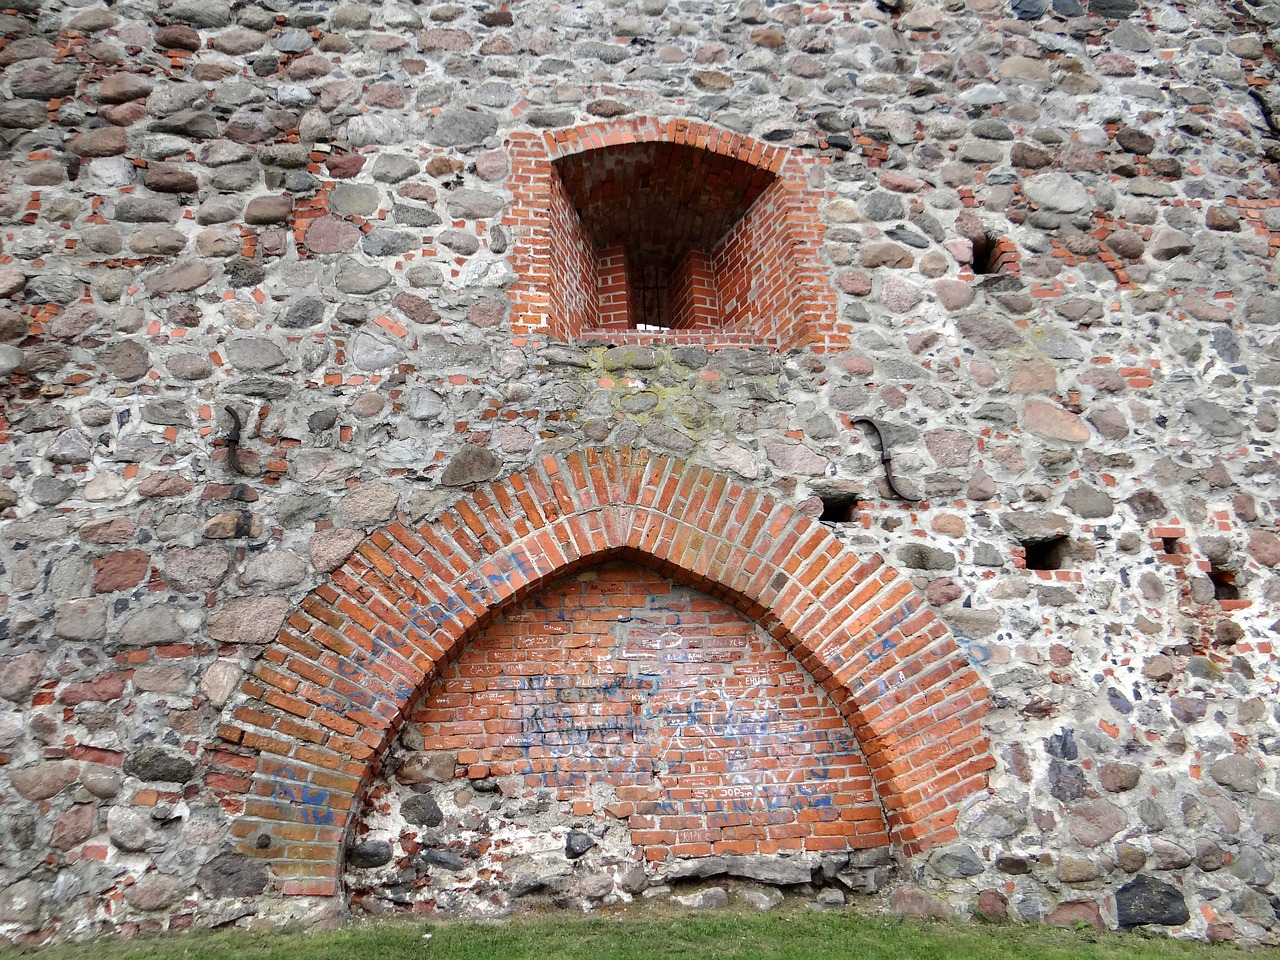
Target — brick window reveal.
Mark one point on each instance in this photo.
(639, 230)
(664, 710)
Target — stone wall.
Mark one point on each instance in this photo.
(300, 419)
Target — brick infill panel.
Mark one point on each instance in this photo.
(304, 739)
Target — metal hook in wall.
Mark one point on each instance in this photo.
(233, 440)
(886, 458)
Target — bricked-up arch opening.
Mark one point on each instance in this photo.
(314, 722)
(662, 722)
(637, 230)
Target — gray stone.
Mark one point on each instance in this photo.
(373, 353)
(248, 619)
(1145, 900)
(995, 819)
(577, 843)
(204, 14)
(920, 556)
(43, 82)
(1089, 502)
(389, 243)
(1266, 811)
(415, 215)
(783, 871)
(274, 569)
(1252, 866)
(357, 199)
(459, 241)
(1236, 773)
(233, 875)
(470, 465)
(880, 205)
(445, 859)
(390, 168)
(359, 278)
(712, 898)
(81, 620)
(369, 854)
(128, 828)
(368, 504)
(758, 899)
(303, 312)
(957, 862)
(1168, 244)
(11, 359)
(421, 810)
(196, 568)
(157, 765)
(1056, 192)
(457, 128)
(474, 205)
(19, 675)
(22, 905)
(1214, 418)
(253, 353)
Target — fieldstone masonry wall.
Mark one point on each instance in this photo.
(328, 534)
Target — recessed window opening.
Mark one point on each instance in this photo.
(838, 508)
(672, 235)
(1047, 554)
(1169, 544)
(1224, 583)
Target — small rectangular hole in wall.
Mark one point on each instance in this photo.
(838, 508)
(1047, 554)
(1169, 544)
(1224, 584)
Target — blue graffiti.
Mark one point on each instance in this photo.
(287, 788)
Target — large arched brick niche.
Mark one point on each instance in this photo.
(329, 695)
(755, 279)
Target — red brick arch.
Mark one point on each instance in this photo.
(329, 695)
(776, 289)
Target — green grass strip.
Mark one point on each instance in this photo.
(655, 935)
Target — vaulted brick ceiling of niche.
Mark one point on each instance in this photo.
(659, 199)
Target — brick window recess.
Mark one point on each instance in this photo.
(658, 722)
(640, 230)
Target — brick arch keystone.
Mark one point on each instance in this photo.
(312, 723)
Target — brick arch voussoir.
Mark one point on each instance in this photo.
(326, 699)
(684, 132)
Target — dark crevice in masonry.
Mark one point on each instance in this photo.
(1224, 583)
(838, 508)
(984, 255)
(1047, 554)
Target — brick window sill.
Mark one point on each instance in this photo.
(707, 339)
